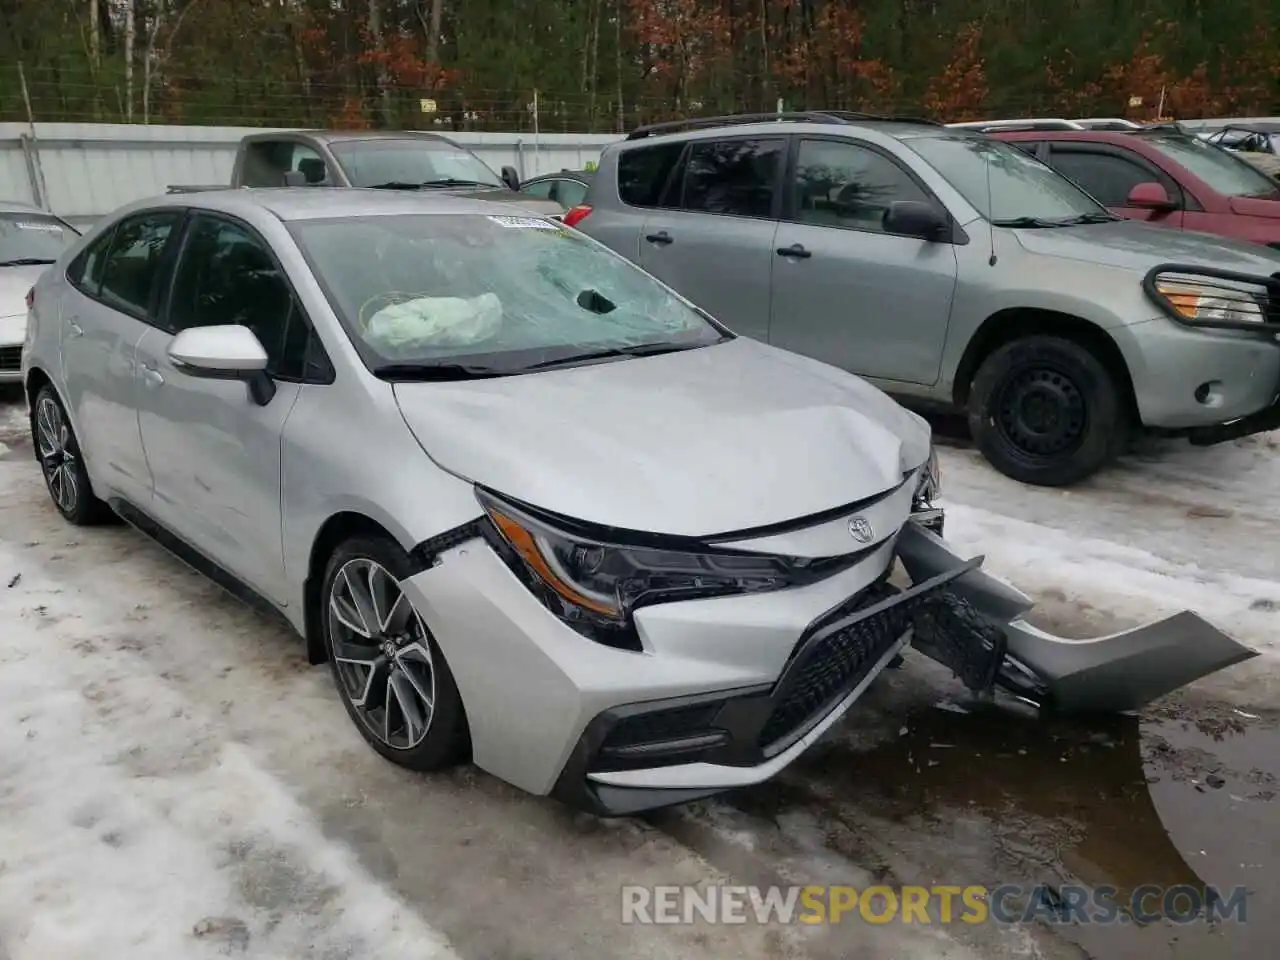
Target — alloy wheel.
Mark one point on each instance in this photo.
(382, 654)
(53, 440)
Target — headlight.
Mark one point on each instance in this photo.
(594, 585)
(1213, 302)
(929, 486)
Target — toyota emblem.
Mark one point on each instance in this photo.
(860, 530)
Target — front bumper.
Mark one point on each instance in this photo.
(641, 756)
(1186, 379)
(725, 695)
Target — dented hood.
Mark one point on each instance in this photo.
(713, 440)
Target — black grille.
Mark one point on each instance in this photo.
(10, 358)
(831, 667)
(662, 725)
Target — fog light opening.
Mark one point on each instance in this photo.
(1209, 394)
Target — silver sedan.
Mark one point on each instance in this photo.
(532, 506)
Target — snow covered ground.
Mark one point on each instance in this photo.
(175, 782)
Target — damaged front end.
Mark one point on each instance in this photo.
(976, 628)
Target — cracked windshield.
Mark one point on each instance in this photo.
(502, 291)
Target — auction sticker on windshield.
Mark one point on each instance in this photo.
(527, 223)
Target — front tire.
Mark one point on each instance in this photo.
(63, 467)
(1046, 411)
(389, 671)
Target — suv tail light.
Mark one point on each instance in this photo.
(31, 298)
(575, 215)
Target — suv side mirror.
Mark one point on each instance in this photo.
(226, 352)
(1150, 196)
(511, 178)
(915, 218)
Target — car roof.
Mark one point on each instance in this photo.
(586, 175)
(17, 206)
(1258, 127)
(1119, 137)
(340, 136)
(900, 129)
(318, 203)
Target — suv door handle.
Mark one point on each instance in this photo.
(661, 237)
(153, 376)
(796, 250)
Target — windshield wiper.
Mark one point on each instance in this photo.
(455, 182)
(640, 350)
(430, 371)
(1089, 218)
(26, 262)
(1026, 222)
(1045, 223)
(395, 185)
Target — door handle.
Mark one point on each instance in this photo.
(796, 250)
(152, 376)
(662, 238)
(74, 329)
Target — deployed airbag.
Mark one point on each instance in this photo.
(426, 322)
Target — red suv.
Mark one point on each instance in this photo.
(1163, 176)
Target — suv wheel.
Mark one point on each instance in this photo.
(1044, 410)
(61, 463)
(389, 671)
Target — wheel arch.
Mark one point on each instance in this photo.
(334, 531)
(1012, 323)
(36, 378)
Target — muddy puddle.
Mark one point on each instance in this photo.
(969, 793)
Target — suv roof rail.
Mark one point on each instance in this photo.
(794, 116)
(1164, 127)
(1017, 126)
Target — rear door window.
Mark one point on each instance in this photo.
(643, 173)
(132, 268)
(739, 177)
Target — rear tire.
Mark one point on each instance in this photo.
(65, 475)
(1045, 410)
(389, 671)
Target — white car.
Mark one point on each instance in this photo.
(30, 240)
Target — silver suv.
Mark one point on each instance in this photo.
(946, 266)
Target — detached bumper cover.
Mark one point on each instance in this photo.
(1118, 672)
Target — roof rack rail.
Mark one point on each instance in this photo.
(1163, 127)
(793, 116)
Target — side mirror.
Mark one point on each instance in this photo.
(1150, 196)
(511, 178)
(228, 352)
(915, 218)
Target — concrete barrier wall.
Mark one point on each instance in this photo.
(82, 170)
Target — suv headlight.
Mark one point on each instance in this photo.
(1213, 302)
(594, 585)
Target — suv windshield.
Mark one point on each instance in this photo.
(1005, 184)
(445, 296)
(1223, 172)
(411, 161)
(33, 238)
